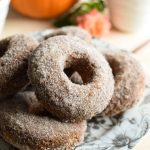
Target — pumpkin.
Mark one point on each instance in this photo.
(42, 8)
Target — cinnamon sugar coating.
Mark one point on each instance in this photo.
(14, 54)
(72, 31)
(129, 81)
(34, 106)
(28, 131)
(64, 99)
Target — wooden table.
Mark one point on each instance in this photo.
(131, 41)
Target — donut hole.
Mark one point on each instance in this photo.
(4, 47)
(79, 70)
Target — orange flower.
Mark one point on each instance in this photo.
(95, 23)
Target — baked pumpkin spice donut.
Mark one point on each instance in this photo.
(36, 131)
(129, 81)
(62, 98)
(71, 31)
(34, 106)
(14, 53)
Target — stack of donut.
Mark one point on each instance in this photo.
(72, 82)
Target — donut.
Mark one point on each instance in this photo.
(72, 31)
(129, 81)
(6, 146)
(34, 106)
(27, 131)
(14, 53)
(28, 88)
(64, 99)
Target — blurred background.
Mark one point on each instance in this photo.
(124, 23)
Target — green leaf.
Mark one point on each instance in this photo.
(70, 17)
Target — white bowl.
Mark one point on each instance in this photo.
(130, 15)
(4, 6)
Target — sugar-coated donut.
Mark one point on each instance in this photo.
(72, 31)
(14, 53)
(27, 131)
(61, 97)
(5, 145)
(34, 106)
(129, 81)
